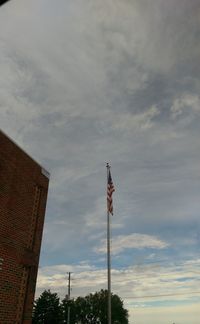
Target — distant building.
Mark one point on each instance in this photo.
(23, 195)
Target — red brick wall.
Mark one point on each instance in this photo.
(23, 194)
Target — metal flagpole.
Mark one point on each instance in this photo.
(108, 256)
(69, 290)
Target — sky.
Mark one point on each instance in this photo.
(85, 82)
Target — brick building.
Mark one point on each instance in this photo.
(23, 195)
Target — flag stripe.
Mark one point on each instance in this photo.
(110, 190)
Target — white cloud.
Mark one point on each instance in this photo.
(134, 122)
(132, 241)
(186, 103)
(165, 315)
(86, 82)
(140, 285)
(85, 279)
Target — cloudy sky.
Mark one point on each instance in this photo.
(85, 82)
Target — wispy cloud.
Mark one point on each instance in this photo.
(132, 241)
(139, 283)
(187, 103)
(83, 83)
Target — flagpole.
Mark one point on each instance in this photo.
(108, 257)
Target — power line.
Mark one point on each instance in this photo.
(161, 295)
(156, 296)
(177, 275)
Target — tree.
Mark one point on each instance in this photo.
(47, 309)
(92, 309)
(66, 304)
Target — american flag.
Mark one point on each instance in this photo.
(110, 190)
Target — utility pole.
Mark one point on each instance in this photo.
(69, 290)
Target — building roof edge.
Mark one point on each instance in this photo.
(43, 170)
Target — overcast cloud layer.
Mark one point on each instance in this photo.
(85, 82)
